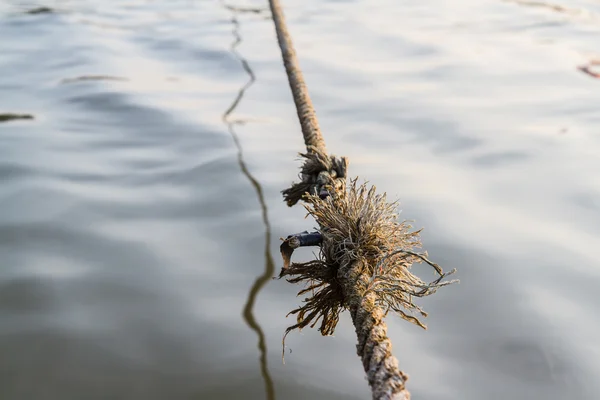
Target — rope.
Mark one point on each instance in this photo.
(306, 113)
(374, 347)
(365, 254)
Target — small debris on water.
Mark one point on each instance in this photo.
(85, 78)
(253, 10)
(40, 10)
(10, 117)
(590, 70)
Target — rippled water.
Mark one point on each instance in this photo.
(140, 210)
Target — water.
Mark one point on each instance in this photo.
(140, 210)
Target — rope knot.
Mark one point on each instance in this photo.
(321, 175)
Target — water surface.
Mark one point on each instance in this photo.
(140, 209)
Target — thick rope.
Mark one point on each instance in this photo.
(306, 113)
(374, 347)
(320, 170)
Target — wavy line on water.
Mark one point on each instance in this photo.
(269, 270)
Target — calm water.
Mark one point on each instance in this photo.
(134, 217)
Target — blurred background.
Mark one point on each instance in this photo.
(140, 208)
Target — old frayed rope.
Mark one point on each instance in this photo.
(365, 252)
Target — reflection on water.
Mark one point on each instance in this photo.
(269, 270)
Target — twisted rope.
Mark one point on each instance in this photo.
(320, 170)
(365, 254)
(374, 347)
(306, 113)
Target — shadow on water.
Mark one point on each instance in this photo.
(269, 270)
